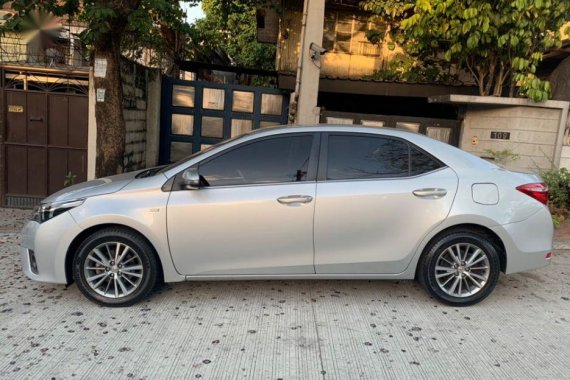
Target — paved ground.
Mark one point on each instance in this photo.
(283, 329)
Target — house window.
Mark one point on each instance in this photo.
(260, 18)
(346, 33)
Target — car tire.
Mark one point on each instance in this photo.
(460, 268)
(115, 267)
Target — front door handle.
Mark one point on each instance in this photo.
(430, 193)
(293, 199)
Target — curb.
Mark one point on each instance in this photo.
(561, 245)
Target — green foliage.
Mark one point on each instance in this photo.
(502, 157)
(557, 220)
(69, 179)
(499, 43)
(409, 69)
(558, 182)
(230, 27)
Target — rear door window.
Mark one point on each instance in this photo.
(422, 162)
(361, 157)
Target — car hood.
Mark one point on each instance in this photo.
(100, 186)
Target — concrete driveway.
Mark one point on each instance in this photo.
(283, 329)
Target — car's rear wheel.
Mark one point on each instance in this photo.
(460, 268)
(115, 267)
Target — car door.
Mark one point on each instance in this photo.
(377, 197)
(253, 216)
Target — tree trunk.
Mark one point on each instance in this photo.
(111, 128)
(560, 82)
(481, 83)
(491, 76)
(498, 91)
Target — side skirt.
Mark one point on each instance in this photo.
(233, 277)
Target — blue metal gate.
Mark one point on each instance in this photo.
(197, 114)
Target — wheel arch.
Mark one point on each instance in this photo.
(473, 228)
(72, 249)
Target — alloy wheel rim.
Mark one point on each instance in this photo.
(113, 269)
(462, 270)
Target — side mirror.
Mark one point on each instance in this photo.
(191, 179)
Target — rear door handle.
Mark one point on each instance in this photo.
(430, 193)
(293, 199)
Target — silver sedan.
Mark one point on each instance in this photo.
(309, 202)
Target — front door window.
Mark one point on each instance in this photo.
(273, 160)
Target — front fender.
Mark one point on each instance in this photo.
(143, 211)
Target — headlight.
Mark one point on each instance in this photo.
(47, 211)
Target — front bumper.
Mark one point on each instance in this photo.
(49, 242)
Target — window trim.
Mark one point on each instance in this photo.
(323, 158)
(311, 168)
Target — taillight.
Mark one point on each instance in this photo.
(538, 191)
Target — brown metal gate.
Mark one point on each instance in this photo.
(45, 139)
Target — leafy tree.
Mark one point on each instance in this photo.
(230, 27)
(499, 42)
(114, 27)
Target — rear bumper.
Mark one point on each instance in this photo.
(527, 242)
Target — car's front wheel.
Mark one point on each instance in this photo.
(115, 267)
(460, 268)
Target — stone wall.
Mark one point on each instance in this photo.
(135, 79)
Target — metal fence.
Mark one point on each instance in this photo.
(57, 48)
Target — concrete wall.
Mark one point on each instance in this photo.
(536, 130)
(565, 154)
(560, 80)
(533, 133)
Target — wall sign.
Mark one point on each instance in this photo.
(500, 135)
(100, 67)
(15, 108)
(100, 95)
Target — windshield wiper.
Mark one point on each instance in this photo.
(149, 172)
